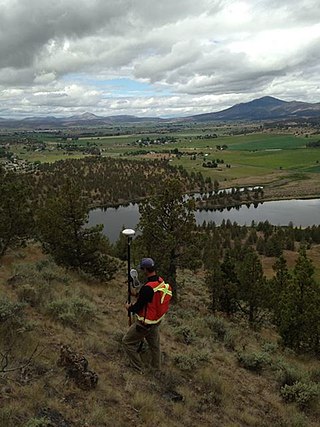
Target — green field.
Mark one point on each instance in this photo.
(249, 155)
(267, 142)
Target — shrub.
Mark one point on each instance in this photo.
(213, 385)
(191, 361)
(37, 422)
(34, 295)
(173, 318)
(28, 294)
(11, 319)
(145, 402)
(43, 263)
(305, 394)
(269, 347)
(291, 418)
(315, 375)
(73, 311)
(186, 362)
(10, 311)
(51, 272)
(35, 281)
(230, 340)
(288, 375)
(43, 270)
(27, 271)
(253, 361)
(185, 334)
(218, 326)
(288, 351)
(51, 275)
(8, 417)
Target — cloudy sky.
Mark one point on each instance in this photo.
(155, 57)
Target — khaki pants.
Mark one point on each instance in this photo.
(131, 342)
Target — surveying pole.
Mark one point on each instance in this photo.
(129, 233)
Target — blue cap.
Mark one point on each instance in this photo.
(146, 263)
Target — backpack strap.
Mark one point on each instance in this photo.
(165, 289)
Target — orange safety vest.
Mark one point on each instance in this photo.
(155, 310)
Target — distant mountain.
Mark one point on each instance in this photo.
(266, 108)
(85, 116)
(81, 120)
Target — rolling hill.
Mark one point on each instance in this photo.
(265, 108)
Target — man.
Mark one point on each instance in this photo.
(150, 308)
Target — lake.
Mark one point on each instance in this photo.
(281, 212)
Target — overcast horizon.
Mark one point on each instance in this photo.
(151, 58)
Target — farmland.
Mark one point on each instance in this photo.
(261, 158)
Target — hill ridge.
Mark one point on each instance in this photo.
(264, 108)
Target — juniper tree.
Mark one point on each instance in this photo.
(191, 255)
(253, 237)
(273, 246)
(252, 286)
(167, 223)
(223, 283)
(16, 219)
(299, 322)
(120, 247)
(66, 236)
(279, 287)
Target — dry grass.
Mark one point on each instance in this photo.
(216, 391)
(291, 188)
(291, 258)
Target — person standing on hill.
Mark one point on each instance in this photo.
(151, 306)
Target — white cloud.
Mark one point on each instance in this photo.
(44, 78)
(208, 53)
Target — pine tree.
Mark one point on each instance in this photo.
(279, 286)
(253, 237)
(273, 246)
(299, 321)
(211, 250)
(120, 248)
(252, 286)
(223, 282)
(191, 256)
(64, 233)
(214, 279)
(16, 219)
(167, 222)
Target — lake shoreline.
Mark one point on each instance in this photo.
(216, 206)
(299, 212)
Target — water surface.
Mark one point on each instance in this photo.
(299, 212)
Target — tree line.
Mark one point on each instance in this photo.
(313, 144)
(290, 300)
(108, 181)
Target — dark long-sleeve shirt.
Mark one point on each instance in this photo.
(145, 296)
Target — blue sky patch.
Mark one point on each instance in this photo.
(118, 87)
